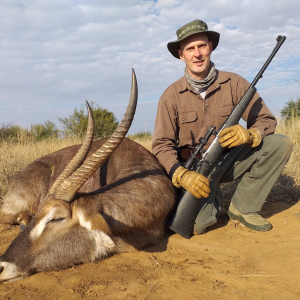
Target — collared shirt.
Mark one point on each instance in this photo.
(183, 116)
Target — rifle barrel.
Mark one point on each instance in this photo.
(280, 40)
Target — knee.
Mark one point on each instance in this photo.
(281, 144)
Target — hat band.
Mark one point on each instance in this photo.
(190, 28)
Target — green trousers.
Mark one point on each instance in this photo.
(258, 168)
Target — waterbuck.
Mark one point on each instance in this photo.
(83, 203)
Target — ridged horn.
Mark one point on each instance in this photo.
(81, 155)
(67, 190)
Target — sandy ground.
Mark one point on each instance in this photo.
(228, 262)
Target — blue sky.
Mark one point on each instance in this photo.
(56, 54)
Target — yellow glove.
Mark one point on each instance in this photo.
(237, 135)
(192, 181)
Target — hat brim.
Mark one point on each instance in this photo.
(175, 45)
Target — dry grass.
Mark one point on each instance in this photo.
(287, 187)
(288, 184)
(145, 142)
(292, 130)
(15, 156)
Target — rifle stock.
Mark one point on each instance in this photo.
(184, 215)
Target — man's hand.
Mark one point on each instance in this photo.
(192, 181)
(237, 135)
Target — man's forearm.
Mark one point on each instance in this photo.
(166, 155)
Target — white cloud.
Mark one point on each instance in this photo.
(56, 54)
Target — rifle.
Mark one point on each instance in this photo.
(183, 217)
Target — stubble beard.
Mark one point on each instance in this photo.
(199, 72)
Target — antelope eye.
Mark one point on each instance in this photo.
(56, 220)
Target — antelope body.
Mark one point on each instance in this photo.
(81, 204)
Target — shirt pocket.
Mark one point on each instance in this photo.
(189, 127)
(223, 113)
(187, 117)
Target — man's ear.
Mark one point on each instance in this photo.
(180, 53)
(211, 47)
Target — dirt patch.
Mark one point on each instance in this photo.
(228, 262)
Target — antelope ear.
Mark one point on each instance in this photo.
(101, 230)
(97, 224)
(106, 240)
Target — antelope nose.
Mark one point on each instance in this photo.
(1, 269)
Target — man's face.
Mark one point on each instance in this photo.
(195, 51)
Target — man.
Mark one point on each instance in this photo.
(203, 97)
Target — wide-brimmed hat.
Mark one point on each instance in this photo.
(191, 28)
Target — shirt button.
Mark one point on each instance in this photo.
(182, 119)
(206, 111)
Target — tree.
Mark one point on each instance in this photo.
(76, 123)
(44, 131)
(292, 108)
(10, 132)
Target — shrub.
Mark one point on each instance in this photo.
(76, 123)
(44, 131)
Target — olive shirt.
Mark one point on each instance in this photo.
(183, 116)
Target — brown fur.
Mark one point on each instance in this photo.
(128, 198)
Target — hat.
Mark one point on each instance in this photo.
(191, 28)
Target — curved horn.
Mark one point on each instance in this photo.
(81, 155)
(71, 185)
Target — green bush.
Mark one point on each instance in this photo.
(44, 131)
(292, 108)
(15, 133)
(10, 132)
(76, 123)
